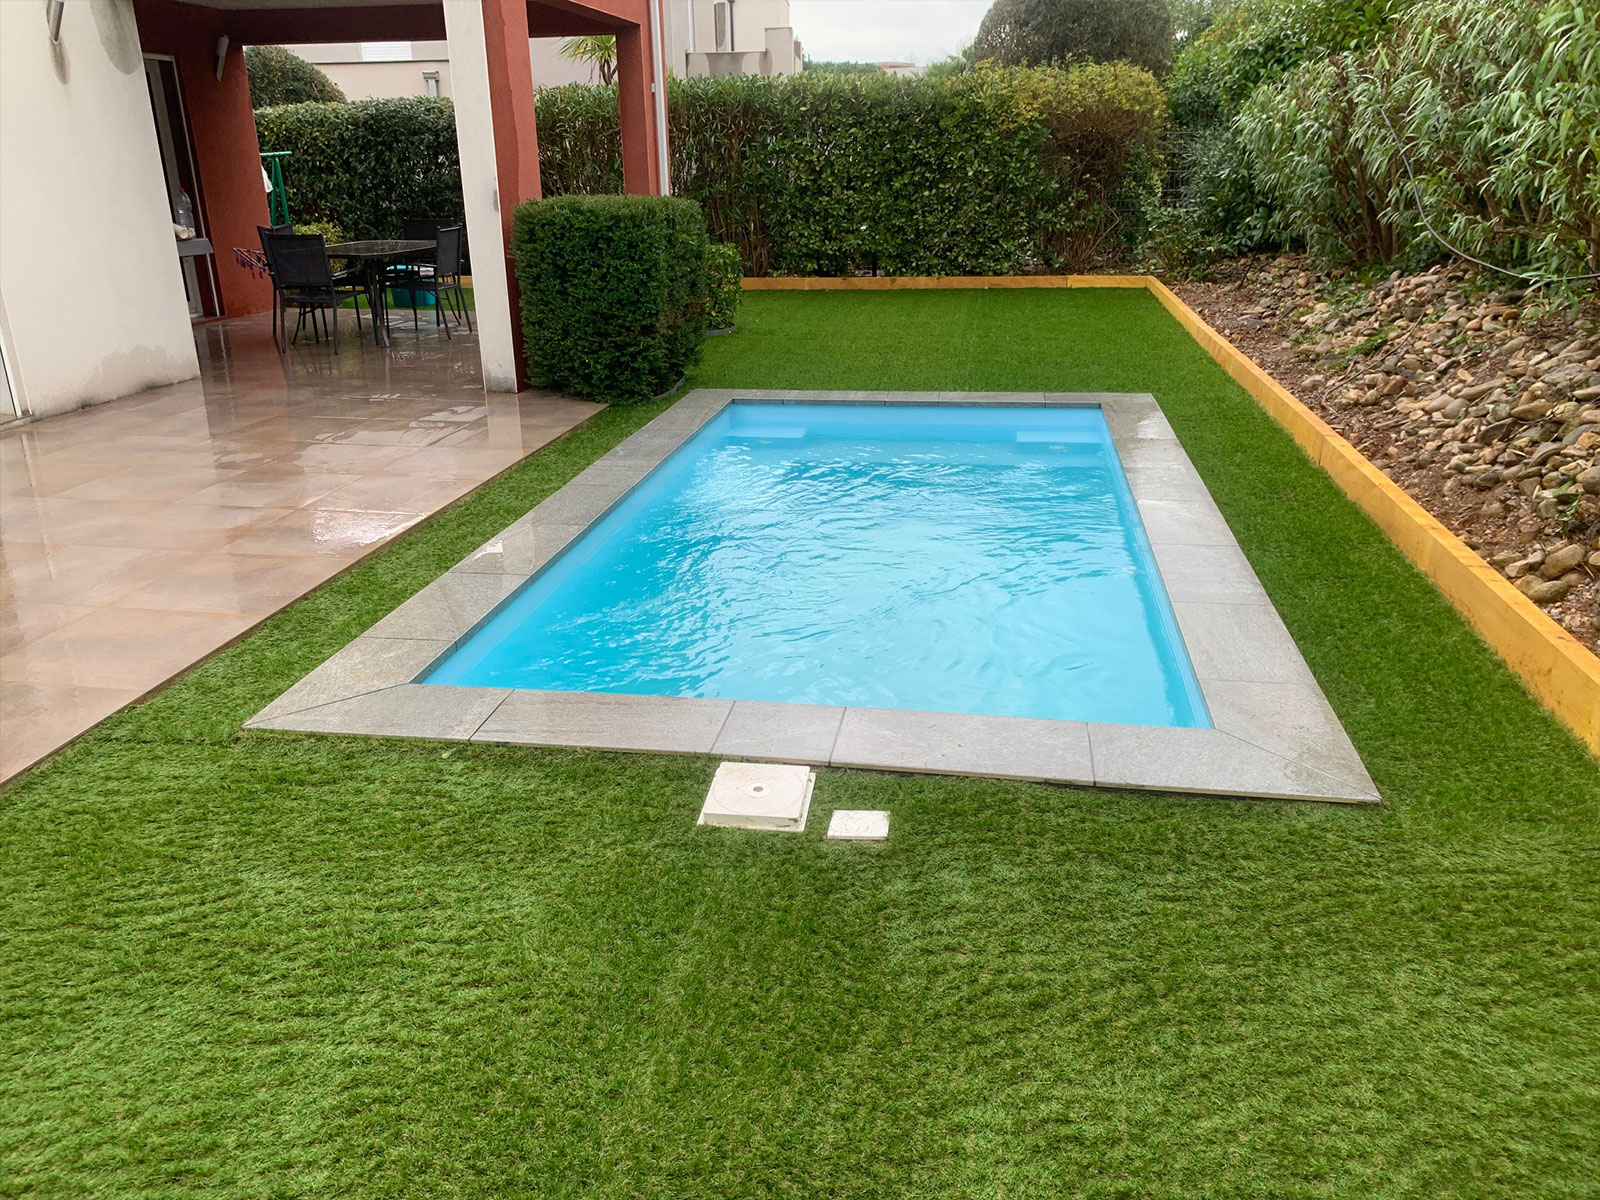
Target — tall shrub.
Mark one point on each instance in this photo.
(368, 165)
(613, 292)
(1495, 107)
(278, 75)
(1031, 33)
(993, 172)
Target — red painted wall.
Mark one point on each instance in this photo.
(223, 129)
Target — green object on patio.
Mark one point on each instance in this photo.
(240, 964)
(278, 198)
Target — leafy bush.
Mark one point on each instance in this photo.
(279, 76)
(725, 274)
(368, 165)
(330, 232)
(1220, 206)
(613, 292)
(1495, 107)
(992, 172)
(1031, 33)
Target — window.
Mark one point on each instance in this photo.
(385, 51)
(719, 16)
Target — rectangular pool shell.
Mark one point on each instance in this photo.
(1274, 734)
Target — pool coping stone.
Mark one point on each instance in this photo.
(1274, 737)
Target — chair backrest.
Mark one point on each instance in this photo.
(447, 258)
(299, 260)
(265, 231)
(420, 229)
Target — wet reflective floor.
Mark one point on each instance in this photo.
(138, 536)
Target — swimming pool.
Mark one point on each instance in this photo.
(982, 560)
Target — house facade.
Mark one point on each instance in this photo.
(112, 111)
(701, 38)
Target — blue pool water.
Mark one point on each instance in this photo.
(967, 560)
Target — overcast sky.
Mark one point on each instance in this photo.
(879, 30)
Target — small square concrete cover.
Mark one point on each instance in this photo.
(859, 825)
(759, 796)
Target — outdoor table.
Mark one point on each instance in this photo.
(374, 256)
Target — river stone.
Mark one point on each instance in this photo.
(1558, 562)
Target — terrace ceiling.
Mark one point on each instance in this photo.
(270, 22)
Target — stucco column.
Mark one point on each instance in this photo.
(641, 172)
(492, 79)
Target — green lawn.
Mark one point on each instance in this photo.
(275, 965)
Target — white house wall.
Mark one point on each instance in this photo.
(93, 294)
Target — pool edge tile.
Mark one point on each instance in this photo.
(964, 744)
(780, 732)
(368, 664)
(606, 721)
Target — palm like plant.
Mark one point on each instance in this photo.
(598, 50)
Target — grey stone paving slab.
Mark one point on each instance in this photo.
(960, 744)
(1291, 720)
(520, 550)
(1276, 735)
(368, 664)
(617, 475)
(578, 503)
(1184, 522)
(1006, 399)
(1240, 642)
(1207, 760)
(798, 733)
(1208, 574)
(669, 724)
(449, 607)
(409, 710)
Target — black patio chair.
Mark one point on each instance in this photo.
(303, 277)
(446, 279)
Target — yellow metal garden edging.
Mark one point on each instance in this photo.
(1557, 668)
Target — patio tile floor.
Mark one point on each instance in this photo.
(139, 536)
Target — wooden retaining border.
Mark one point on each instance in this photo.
(1557, 668)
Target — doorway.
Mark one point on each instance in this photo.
(195, 255)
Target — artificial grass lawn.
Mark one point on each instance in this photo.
(255, 964)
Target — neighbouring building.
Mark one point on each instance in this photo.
(702, 37)
(112, 109)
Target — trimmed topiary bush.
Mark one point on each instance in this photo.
(613, 292)
(280, 76)
(725, 277)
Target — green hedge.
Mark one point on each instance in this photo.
(367, 165)
(993, 172)
(613, 292)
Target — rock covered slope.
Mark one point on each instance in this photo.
(1481, 400)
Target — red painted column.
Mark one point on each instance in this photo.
(641, 168)
(516, 138)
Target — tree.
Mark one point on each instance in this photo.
(598, 50)
(279, 76)
(1020, 33)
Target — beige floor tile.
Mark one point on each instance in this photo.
(88, 575)
(121, 648)
(195, 527)
(22, 622)
(268, 487)
(454, 462)
(387, 493)
(318, 531)
(36, 719)
(229, 583)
